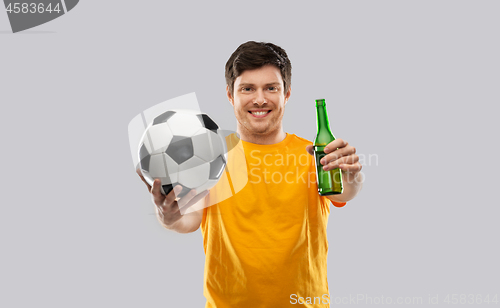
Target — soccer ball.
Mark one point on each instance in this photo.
(182, 147)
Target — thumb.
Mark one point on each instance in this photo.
(309, 149)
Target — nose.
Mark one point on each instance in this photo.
(260, 98)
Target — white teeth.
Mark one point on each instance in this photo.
(259, 112)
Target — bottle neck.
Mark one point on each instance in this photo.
(322, 117)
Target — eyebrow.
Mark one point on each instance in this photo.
(267, 84)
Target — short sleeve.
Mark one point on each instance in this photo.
(326, 201)
(338, 204)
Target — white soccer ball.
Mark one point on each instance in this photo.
(182, 147)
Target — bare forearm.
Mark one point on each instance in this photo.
(352, 186)
(186, 224)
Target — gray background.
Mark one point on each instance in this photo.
(413, 82)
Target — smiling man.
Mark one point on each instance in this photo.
(266, 246)
(259, 97)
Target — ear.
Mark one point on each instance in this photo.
(287, 95)
(229, 96)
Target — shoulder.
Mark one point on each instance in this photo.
(297, 145)
(299, 141)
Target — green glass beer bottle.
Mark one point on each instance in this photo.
(329, 182)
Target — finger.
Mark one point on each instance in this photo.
(138, 171)
(341, 152)
(309, 149)
(351, 159)
(194, 200)
(158, 198)
(170, 198)
(335, 144)
(351, 168)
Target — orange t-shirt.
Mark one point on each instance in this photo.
(266, 246)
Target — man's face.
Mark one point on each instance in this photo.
(259, 101)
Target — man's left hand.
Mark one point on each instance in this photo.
(339, 154)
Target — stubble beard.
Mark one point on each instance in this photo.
(272, 126)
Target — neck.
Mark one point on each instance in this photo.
(269, 138)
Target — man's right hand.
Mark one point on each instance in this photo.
(168, 208)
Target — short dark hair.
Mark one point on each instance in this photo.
(253, 55)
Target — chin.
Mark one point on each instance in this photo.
(264, 131)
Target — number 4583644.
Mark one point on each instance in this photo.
(32, 8)
(470, 299)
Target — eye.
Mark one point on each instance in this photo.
(246, 89)
(273, 89)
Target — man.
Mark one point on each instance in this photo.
(266, 246)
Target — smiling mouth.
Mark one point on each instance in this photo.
(260, 113)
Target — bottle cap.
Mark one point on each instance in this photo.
(320, 102)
